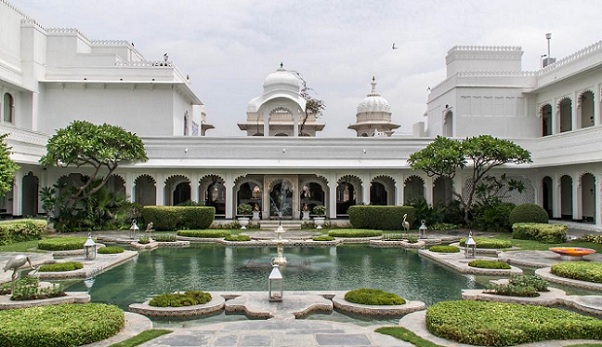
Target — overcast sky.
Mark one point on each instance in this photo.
(229, 47)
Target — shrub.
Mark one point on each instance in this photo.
(28, 288)
(592, 238)
(188, 298)
(60, 267)
(323, 238)
(62, 243)
(503, 324)
(380, 217)
(144, 239)
(444, 249)
(355, 233)
(494, 216)
(237, 238)
(395, 237)
(412, 238)
(244, 209)
(534, 281)
(546, 233)
(579, 270)
(21, 230)
(528, 213)
(110, 250)
(488, 243)
(367, 296)
(489, 264)
(319, 210)
(174, 217)
(165, 238)
(521, 285)
(443, 226)
(66, 325)
(210, 233)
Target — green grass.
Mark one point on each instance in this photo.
(406, 335)
(141, 338)
(586, 345)
(27, 246)
(538, 246)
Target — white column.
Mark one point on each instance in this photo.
(398, 189)
(428, 186)
(194, 187)
(575, 120)
(18, 193)
(366, 189)
(160, 191)
(230, 198)
(556, 197)
(34, 111)
(597, 96)
(129, 187)
(598, 200)
(266, 123)
(296, 124)
(332, 197)
(577, 197)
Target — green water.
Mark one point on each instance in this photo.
(219, 268)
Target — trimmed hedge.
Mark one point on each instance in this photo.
(489, 264)
(60, 267)
(66, 325)
(546, 233)
(355, 233)
(165, 238)
(521, 285)
(488, 243)
(62, 243)
(188, 298)
(502, 324)
(21, 230)
(110, 250)
(323, 238)
(579, 270)
(380, 217)
(175, 217)
(444, 249)
(211, 233)
(237, 238)
(367, 296)
(528, 213)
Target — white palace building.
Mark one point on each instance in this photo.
(50, 77)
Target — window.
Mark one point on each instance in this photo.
(186, 123)
(9, 108)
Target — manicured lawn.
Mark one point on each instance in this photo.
(141, 338)
(406, 335)
(538, 246)
(27, 246)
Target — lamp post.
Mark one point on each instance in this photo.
(422, 229)
(275, 280)
(89, 249)
(470, 250)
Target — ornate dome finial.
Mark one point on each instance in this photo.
(281, 65)
(373, 85)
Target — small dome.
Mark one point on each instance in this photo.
(281, 80)
(374, 102)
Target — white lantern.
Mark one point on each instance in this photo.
(275, 280)
(422, 229)
(470, 250)
(90, 249)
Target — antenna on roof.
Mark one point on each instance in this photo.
(548, 58)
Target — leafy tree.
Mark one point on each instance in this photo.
(7, 167)
(445, 157)
(89, 145)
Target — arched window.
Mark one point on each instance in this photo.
(9, 108)
(546, 120)
(448, 124)
(566, 117)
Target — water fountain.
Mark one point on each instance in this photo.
(279, 259)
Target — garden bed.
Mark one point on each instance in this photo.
(216, 304)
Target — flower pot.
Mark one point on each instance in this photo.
(243, 221)
(319, 221)
(305, 215)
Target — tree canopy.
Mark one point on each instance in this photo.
(312, 105)
(7, 167)
(98, 146)
(445, 157)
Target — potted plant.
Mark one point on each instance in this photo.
(244, 210)
(319, 211)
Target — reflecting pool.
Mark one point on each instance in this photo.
(212, 267)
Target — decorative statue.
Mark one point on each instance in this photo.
(405, 224)
(149, 227)
(14, 264)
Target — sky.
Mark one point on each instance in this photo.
(228, 47)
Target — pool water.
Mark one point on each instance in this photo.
(211, 267)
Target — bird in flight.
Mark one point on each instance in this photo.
(393, 47)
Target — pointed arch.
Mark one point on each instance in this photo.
(29, 195)
(212, 192)
(547, 188)
(585, 109)
(382, 190)
(545, 113)
(566, 197)
(442, 190)
(348, 190)
(177, 190)
(413, 189)
(313, 191)
(145, 190)
(565, 111)
(587, 181)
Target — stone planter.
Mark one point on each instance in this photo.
(319, 221)
(305, 215)
(255, 215)
(243, 221)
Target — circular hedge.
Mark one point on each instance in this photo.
(502, 324)
(489, 264)
(66, 325)
(188, 298)
(444, 249)
(579, 270)
(488, 243)
(528, 213)
(323, 238)
(110, 250)
(62, 243)
(60, 267)
(368, 296)
(237, 238)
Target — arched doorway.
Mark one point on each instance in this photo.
(30, 195)
(442, 190)
(145, 190)
(547, 196)
(566, 117)
(212, 192)
(413, 190)
(378, 194)
(588, 197)
(586, 109)
(566, 197)
(348, 188)
(311, 195)
(281, 199)
(448, 124)
(177, 190)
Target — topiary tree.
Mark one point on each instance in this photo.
(528, 213)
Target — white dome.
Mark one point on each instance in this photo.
(374, 102)
(281, 80)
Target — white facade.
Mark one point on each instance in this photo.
(50, 77)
